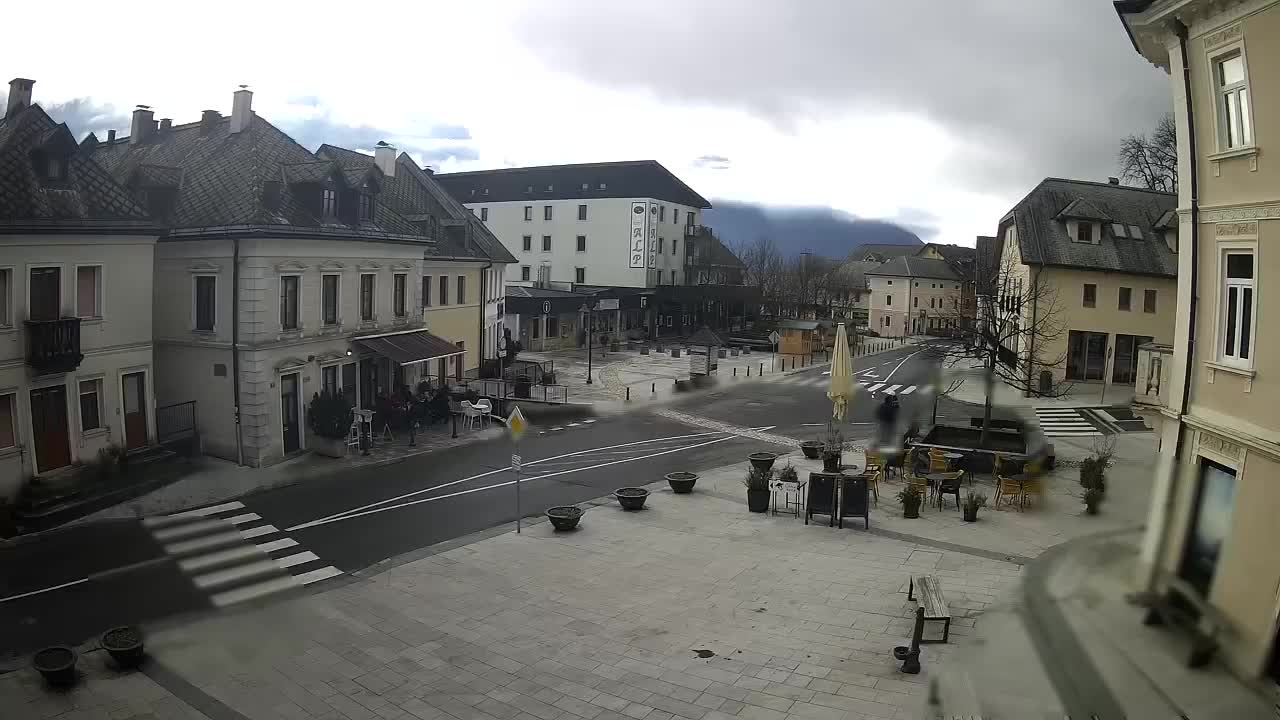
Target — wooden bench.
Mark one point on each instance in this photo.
(1182, 605)
(935, 606)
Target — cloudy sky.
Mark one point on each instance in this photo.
(936, 115)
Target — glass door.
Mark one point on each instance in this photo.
(46, 293)
(1210, 525)
(289, 425)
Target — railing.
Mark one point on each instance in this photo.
(509, 390)
(53, 346)
(1155, 366)
(696, 230)
(177, 421)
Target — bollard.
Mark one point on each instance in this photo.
(760, 372)
(748, 371)
(735, 372)
(628, 393)
(653, 388)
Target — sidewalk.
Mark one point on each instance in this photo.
(973, 391)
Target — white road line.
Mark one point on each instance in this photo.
(44, 590)
(198, 512)
(889, 377)
(323, 573)
(200, 562)
(908, 390)
(291, 560)
(875, 387)
(573, 424)
(257, 590)
(182, 531)
(259, 531)
(274, 545)
(233, 574)
(242, 519)
(588, 421)
(892, 390)
(204, 543)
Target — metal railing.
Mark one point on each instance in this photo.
(53, 346)
(176, 421)
(510, 390)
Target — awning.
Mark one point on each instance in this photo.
(410, 347)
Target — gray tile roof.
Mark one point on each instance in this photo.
(1043, 240)
(853, 273)
(629, 179)
(907, 266)
(884, 251)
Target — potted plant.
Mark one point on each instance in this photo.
(972, 502)
(757, 482)
(125, 646)
(564, 517)
(762, 460)
(832, 449)
(329, 416)
(1092, 500)
(788, 474)
(644, 349)
(911, 499)
(631, 498)
(681, 482)
(811, 448)
(57, 664)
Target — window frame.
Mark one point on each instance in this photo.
(372, 295)
(526, 273)
(98, 289)
(297, 302)
(96, 390)
(581, 243)
(7, 297)
(1220, 92)
(336, 370)
(328, 202)
(400, 287)
(546, 243)
(195, 303)
(1149, 301)
(462, 290)
(443, 291)
(1085, 299)
(426, 290)
(580, 275)
(484, 214)
(582, 212)
(337, 299)
(1224, 287)
(547, 214)
(10, 399)
(364, 206)
(1124, 303)
(1083, 229)
(526, 243)
(528, 213)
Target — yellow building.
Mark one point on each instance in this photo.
(1213, 514)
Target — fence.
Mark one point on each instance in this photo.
(176, 426)
(508, 390)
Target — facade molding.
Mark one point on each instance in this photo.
(1240, 213)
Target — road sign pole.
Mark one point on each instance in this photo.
(516, 465)
(516, 425)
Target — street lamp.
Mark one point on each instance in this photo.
(588, 307)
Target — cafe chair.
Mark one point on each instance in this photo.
(486, 410)
(471, 414)
(1008, 489)
(937, 461)
(875, 461)
(949, 486)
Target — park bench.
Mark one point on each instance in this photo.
(1183, 606)
(935, 606)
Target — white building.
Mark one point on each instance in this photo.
(75, 302)
(613, 224)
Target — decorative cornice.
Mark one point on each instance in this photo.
(290, 362)
(368, 265)
(402, 266)
(290, 266)
(203, 266)
(1236, 214)
(331, 265)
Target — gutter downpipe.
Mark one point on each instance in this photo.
(484, 307)
(1162, 540)
(235, 344)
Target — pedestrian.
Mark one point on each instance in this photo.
(887, 415)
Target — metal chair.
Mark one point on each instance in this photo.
(353, 435)
(949, 486)
(472, 415)
(1009, 489)
(486, 410)
(937, 461)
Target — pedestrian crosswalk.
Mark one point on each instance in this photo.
(234, 555)
(807, 380)
(1065, 422)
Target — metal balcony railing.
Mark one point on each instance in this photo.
(53, 346)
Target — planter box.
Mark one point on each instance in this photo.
(631, 498)
(328, 447)
(965, 440)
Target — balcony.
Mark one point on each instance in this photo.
(1154, 377)
(53, 346)
(693, 231)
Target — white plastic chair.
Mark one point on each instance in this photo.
(471, 414)
(486, 410)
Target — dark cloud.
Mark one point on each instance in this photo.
(83, 116)
(450, 132)
(1030, 88)
(819, 230)
(712, 162)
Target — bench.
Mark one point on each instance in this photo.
(935, 606)
(1182, 605)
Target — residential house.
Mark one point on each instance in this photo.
(964, 261)
(915, 296)
(1213, 508)
(883, 252)
(1091, 270)
(76, 363)
(282, 273)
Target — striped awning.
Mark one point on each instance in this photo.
(410, 347)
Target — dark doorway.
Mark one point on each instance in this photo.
(368, 383)
(134, 388)
(1210, 525)
(349, 383)
(289, 424)
(1086, 355)
(46, 293)
(49, 428)
(1125, 367)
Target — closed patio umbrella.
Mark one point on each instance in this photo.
(842, 385)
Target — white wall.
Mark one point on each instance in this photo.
(607, 229)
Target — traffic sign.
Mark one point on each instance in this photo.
(516, 424)
(546, 307)
(515, 463)
(774, 337)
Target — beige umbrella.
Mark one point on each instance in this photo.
(842, 385)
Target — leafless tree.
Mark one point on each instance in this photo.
(1151, 162)
(764, 268)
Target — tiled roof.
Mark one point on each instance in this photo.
(908, 266)
(988, 260)
(955, 254)
(631, 179)
(1043, 239)
(853, 272)
(88, 197)
(537, 292)
(883, 251)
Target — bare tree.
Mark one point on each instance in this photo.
(764, 268)
(1017, 324)
(1151, 162)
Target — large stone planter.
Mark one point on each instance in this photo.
(57, 665)
(125, 646)
(675, 352)
(811, 449)
(564, 517)
(631, 498)
(328, 447)
(758, 501)
(762, 461)
(681, 482)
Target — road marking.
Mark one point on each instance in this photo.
(207, 542)
(181, 531)
(259, 531)
(899, 365)
(44, 590)
(242, 519)
(162, 520)
(908, 390)
(289, 561)
(892, 390)
(274, 545)
(257, 590)
(200, 562)
(323, 573)
(875, 387)
(266, 566)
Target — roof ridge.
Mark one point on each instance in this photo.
(1108, 185)
(549, 167)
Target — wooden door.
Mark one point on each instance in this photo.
(289, 414)
(49, 428)
(135, 409)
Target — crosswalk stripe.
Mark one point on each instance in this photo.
(875, 387)
(162, 520)
(178, 532)
(208, 542)
(200, 562)
(242, 519)
(259, 531)
(257, 590)
(908, 390)
(303, 557)
(892, 389)
(323, 573)
(237, 573)
(274, 545)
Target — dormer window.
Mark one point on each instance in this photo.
(55, 168)
(364, 204)
(1119, 230)
(1084, 233)
(329, 202)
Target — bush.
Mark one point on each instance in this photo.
(910, 498)
(789, 474)
(1092, 500)
(329, 415)
(758, 479)
(973, 501)
(1092, 474)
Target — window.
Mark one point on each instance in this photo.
(1149, 301)
(546, 212)
(365, 207)
(90, 405)
(579, 275)
(675, 216)
(1234, 125)
(288, 302)
(1236, 324)
(917, 300)
(1124, 363)
(526, 243)
(367, 286)
(329, 203)
(89, 291)
(528, 212)
(6, 297)
(1086, 355)
(888, 282)
(329, 299)
(1084, 233)
(582, 243)
(1090, 295)
(524, 273)
(444, 290)
(426, 291)
(398, 283)
(673, 245)
(462, 289)
(888, 301)
(206, 298)
(1119, 230)
(661, 245)
(329, 380)
(546, 243)
(582, 211)
(662, 213)
(8, 428)
(484, 214)
(931, 303)
(673, 277)
(55, 168)
(1126, 298)
(1135, 232)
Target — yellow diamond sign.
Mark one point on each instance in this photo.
(516, 424)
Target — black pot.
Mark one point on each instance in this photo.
(125, 646)
(971, 514)
(831, 462)
(758, 500)
(811, 449)
(675, 352)
(1091, 509)
(564, 517)
(631, 498)
(644, 350)
(911, 513)
(762, 461)
(681, 482)
(57, 664)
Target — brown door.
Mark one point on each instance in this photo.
(49, 427)
(135, 410)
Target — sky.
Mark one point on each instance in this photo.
(935, 115)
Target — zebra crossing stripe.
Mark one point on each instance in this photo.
(892, 390)
(908, 390)
(875, 387)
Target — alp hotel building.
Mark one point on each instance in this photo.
(1213, 519)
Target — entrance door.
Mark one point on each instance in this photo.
(46, 293)
(1214, 502)
(289, 412)
(135, 409)
(1125, 366)
(49, 427)
(1086, 355)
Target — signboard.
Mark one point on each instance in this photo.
(515, 462)
(607, 304)
(653, 235)
(774, 337)
(516, 424)
(784, 486)
(699, 364)
(546, 307)
(639, 238)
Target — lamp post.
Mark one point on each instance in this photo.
(589, 307)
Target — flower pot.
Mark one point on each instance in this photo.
(811, 449)
(564, 517)
(57, 664)
(125, 646)
(971, 515)
(722, 353)
(681, 482)
(644, 350)
(762, 461)
(631, 498)
(1091, 509)
(911, 512)
(329, 447)
(758, 500)
(675, 352)
(831, 462)
(746, 351)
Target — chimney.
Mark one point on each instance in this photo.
(428, 170)
(1113, 181)
(166, 124)
(208, 119)
(384, 156)
(111, 136)
(19, 95)
(241, 109)
(142, 126)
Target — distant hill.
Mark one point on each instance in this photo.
(821, 231)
